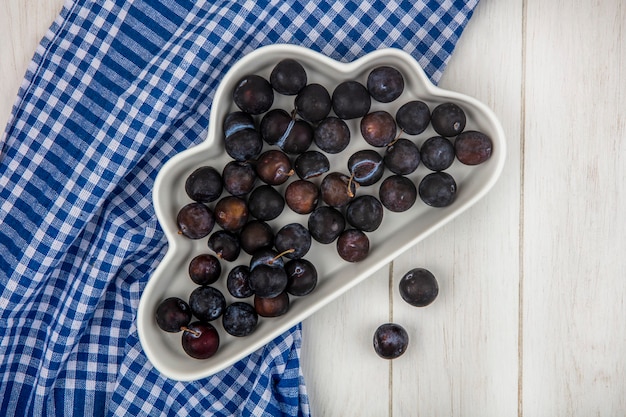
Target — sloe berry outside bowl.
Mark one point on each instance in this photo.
(398, 231)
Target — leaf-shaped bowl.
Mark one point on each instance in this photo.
(398, 231)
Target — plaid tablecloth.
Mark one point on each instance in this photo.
(114, 90)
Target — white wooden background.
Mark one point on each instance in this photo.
(530, 317)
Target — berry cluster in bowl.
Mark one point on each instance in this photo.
(315, 173)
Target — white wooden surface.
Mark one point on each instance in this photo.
(530, 316)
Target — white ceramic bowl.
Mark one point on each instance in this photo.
(398, 232)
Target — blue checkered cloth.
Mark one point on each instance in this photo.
(114, 90)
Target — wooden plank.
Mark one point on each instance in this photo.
(344, 375)
(464, 359)
(574, 339)
(24, 24)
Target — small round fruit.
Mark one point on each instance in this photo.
(173, 314)
(273, 306)
(311, 164)
(418, 287)
(195, 220)
(238, 177)
(365, 213)
(437, 189)
(204, 184)
(301, 277)
(273, 167)
(366, 166)
(437, 153)
(378, 128)
(325, 224)
(255, 235)
(288, 77)
(332, 135)
(238, 282)
(302, 196)
(240, 319)
(265, 203)
(397, 193)
(200, 340)
(298, 139)
(313, 103)
(207, 303)
(231, 213)
(337, 189)
(205, 269)
(294, 240)
(385, 84)
(244, 144)
(448, 119)
(274, 125)
(351, 100)
(268, 281)
(225, 244)
(353, 245)
(253, 94)
(390, 340)
(472, 147)
(413, 117)
(402, 157)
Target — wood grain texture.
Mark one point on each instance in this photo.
(23, 23)
(574, 303)
(347, 378)
(529, 321)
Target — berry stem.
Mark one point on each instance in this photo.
(350, 193)
(187, 329)
(280, 255)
